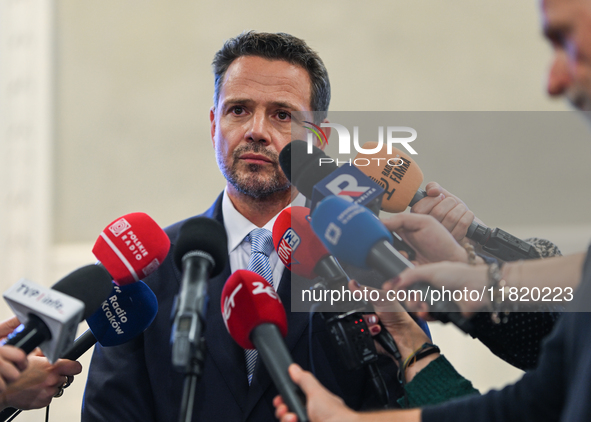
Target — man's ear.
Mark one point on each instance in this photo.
(326, 131)
(212, 124)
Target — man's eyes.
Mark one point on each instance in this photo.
(237, 110)
(240, 110)
(283, 115)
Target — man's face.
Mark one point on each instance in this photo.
(251, 122)
(567, 25)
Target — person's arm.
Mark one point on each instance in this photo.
(539, 395)
(564, 272)
(429, 380)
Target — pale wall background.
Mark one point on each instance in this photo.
(104, 111)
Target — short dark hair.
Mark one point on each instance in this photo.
(279, 46)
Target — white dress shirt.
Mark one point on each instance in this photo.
(238, 228)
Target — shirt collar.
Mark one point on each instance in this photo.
(238, 227)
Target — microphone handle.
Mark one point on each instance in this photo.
(387, 260)
(32, 335)
(329, 268)
(272, 350)
(80, 346)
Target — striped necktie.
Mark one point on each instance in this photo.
(261, 246)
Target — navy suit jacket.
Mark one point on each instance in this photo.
(136, 381)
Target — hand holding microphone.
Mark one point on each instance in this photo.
(52, 315)
(446, 208)
(431, 241)
(13, 361)
(352, 233)
(129, 246)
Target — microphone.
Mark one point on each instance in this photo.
(398, 177)
(301, 251)
(127, 312)
(201, 252)
(353, 234)
(255, 318)
(307, 257)
(317, 176)
(129, 301)
(401, 179)
(52, 315)
(131, 247)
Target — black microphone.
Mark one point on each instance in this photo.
(52, 315)
(200, 253)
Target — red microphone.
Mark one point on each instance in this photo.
(131, 247)
(300, 250)
(255, 318)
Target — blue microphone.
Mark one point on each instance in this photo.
(128, 311)
(355, 235)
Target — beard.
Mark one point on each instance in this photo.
(254, 180)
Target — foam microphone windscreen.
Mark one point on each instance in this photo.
(296, 243)
(206, 235)
(397, 173)
(248, 301)
(131, 247)
(301, 168)
(348, 230)
(91, 284)
(127, 312)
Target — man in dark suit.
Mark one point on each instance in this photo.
(260, 79)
